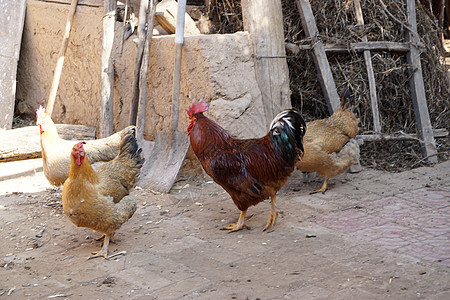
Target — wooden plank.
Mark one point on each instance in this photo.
(423, 123)
(107, 70)
(12, 16)
(92, 3)
(24, 143)
(370, 75)
(363, 46)
(166, 16)
(271, 69)
(437, 133)
(320, 57)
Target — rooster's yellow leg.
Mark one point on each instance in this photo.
(239, 224)
(273, 213)
(104, 251)
(322, 189)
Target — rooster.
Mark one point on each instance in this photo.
(330, 145)
(99, 199)
(250, 170)
(56, 151)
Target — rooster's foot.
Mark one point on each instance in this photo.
(239, 224)
(235, 227)
(272, 220)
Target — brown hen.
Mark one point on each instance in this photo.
(100, 199)
(330, 145)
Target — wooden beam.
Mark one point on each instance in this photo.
(370, 75)
(423, 123)
(320, 58)
(437, 133)
(107, 70)
(362, 46)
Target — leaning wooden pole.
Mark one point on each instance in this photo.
(60, 62)
(320, 57)
(419, 100)
(107, 70)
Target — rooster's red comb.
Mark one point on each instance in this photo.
(197, 107)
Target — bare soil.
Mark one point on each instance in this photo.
(175, 248)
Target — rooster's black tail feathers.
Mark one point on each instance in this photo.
(287, 131)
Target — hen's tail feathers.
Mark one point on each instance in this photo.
(129, 149)
(347, 156)
(346, 101)
(287, 131)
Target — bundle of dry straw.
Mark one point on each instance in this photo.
(384, 21)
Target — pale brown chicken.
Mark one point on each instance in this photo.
(100, 199)
(56, 151)
(330, 145)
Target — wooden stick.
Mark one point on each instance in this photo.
(179, 41)
(140, 52)
(107, 70)
(60, 62)
(370, 75)
(144, 70)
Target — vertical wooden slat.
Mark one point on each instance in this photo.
(107, 70)
(370, 75)
(264, 21)
(423, 123)
(320, 57)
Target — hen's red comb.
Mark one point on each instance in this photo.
(80, 145)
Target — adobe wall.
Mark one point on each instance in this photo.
(218, 68)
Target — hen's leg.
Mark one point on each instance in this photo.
(111, 238)
(323, 188)
(239, 224)
(273, 213)
(104, 251)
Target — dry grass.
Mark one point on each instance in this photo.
(336, 22)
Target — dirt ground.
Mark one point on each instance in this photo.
(175, 248)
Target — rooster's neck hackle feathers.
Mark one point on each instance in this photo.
(287, 131)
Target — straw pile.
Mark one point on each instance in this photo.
(384, 21)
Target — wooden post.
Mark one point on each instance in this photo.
(423, 123)
(370, 75)
(320, 58)
(12, 16)
(264, 21)
(107, 71)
